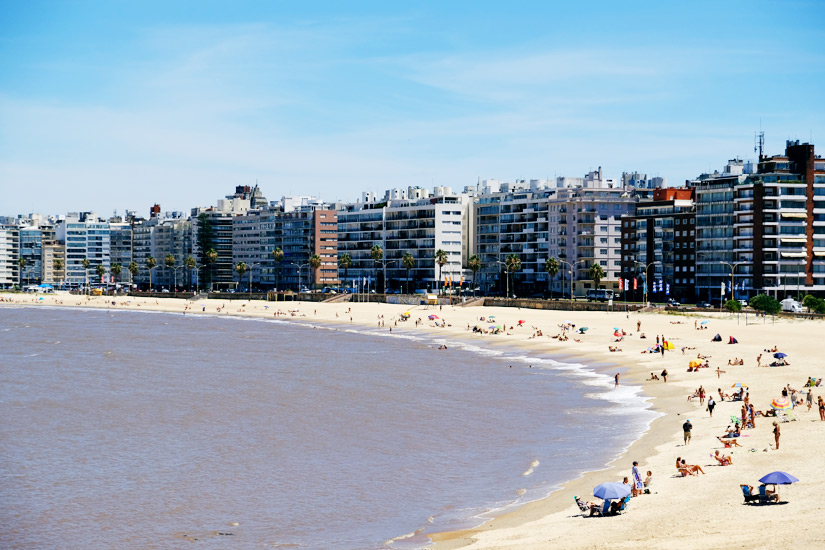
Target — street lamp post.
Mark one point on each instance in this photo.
(732, 267)
(647, 276)
(250, 279)
(506, 278)
(384, 271)
(175, 270)
(300, 268)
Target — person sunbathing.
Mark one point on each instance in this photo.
(723, 460)
(723, 396)
(587, 505)
(692, 468)
(728, 443)
(771, 495)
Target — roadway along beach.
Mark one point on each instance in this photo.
(689, 512)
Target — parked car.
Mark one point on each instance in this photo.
(673, 303)
(743, 302)
(703, 304)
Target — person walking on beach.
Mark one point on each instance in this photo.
(638, 486)
(617, 379)
(687, 427)
(810, 399)
(711, 405)
(664, 375)
(776, 434)
(638, 326)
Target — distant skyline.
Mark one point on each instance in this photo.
(112, 105)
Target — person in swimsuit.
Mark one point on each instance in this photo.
(776, 434)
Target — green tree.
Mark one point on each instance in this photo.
(552, 267)
(133, 268)
(345, 262)
(278, 256)
(86, 263)
(814, 304)
(190, 264)
(513, 265)
(210, 257)
(241, 268)
(377, 254)
(116, 270)
(169, 261)
(151, 262)
(205, 242)
(733, 306)
(57, 264)
(408, 263)
(441, 259)
(596, 273)
(315, 264)
(765, 303)
(100, 270)
(22, 263)
(474, 263)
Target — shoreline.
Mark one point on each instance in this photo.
(713, 500)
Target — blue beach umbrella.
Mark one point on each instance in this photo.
(704, 322)
(611, 490)
(778, 478)
(780, 355)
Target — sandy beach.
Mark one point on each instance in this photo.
(706, 510)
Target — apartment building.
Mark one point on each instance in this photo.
(406, 221)
(779, 225)
(9, 256)
(658, 241)
(86, 237)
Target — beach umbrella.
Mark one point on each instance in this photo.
(584, 329)
(431, 317)
(611, 490)
(739, 385)
(495, 326)
(567, 322)
(780, 355)
(617, 328)
(781, 403)
(704, 322)
(694, 363)
(491, 316)
(521, 321)
(778, 478)
(617, 334)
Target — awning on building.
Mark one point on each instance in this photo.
(799, 215)
(793, 254)
(793, 239)
(819, 253)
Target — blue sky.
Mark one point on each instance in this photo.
(117, 105)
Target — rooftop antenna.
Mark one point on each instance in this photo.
(759, 143)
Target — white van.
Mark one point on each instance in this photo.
(790, 305)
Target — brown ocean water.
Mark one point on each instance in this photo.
(148, 430)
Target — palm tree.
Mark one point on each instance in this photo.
(116, 270)
(278, 256)
(211, 257)
(408, 262)
(513, 264)
(551, 266)
(314, 263)
(345, 262)
(190, 264)
(596, 273)
(169, 260)
(22, 263)
(151, 262)
(100, 269)
(474, 263)
(377, 254)
(86, 263)
(241, 268)
(440, 259)
(133, 268)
